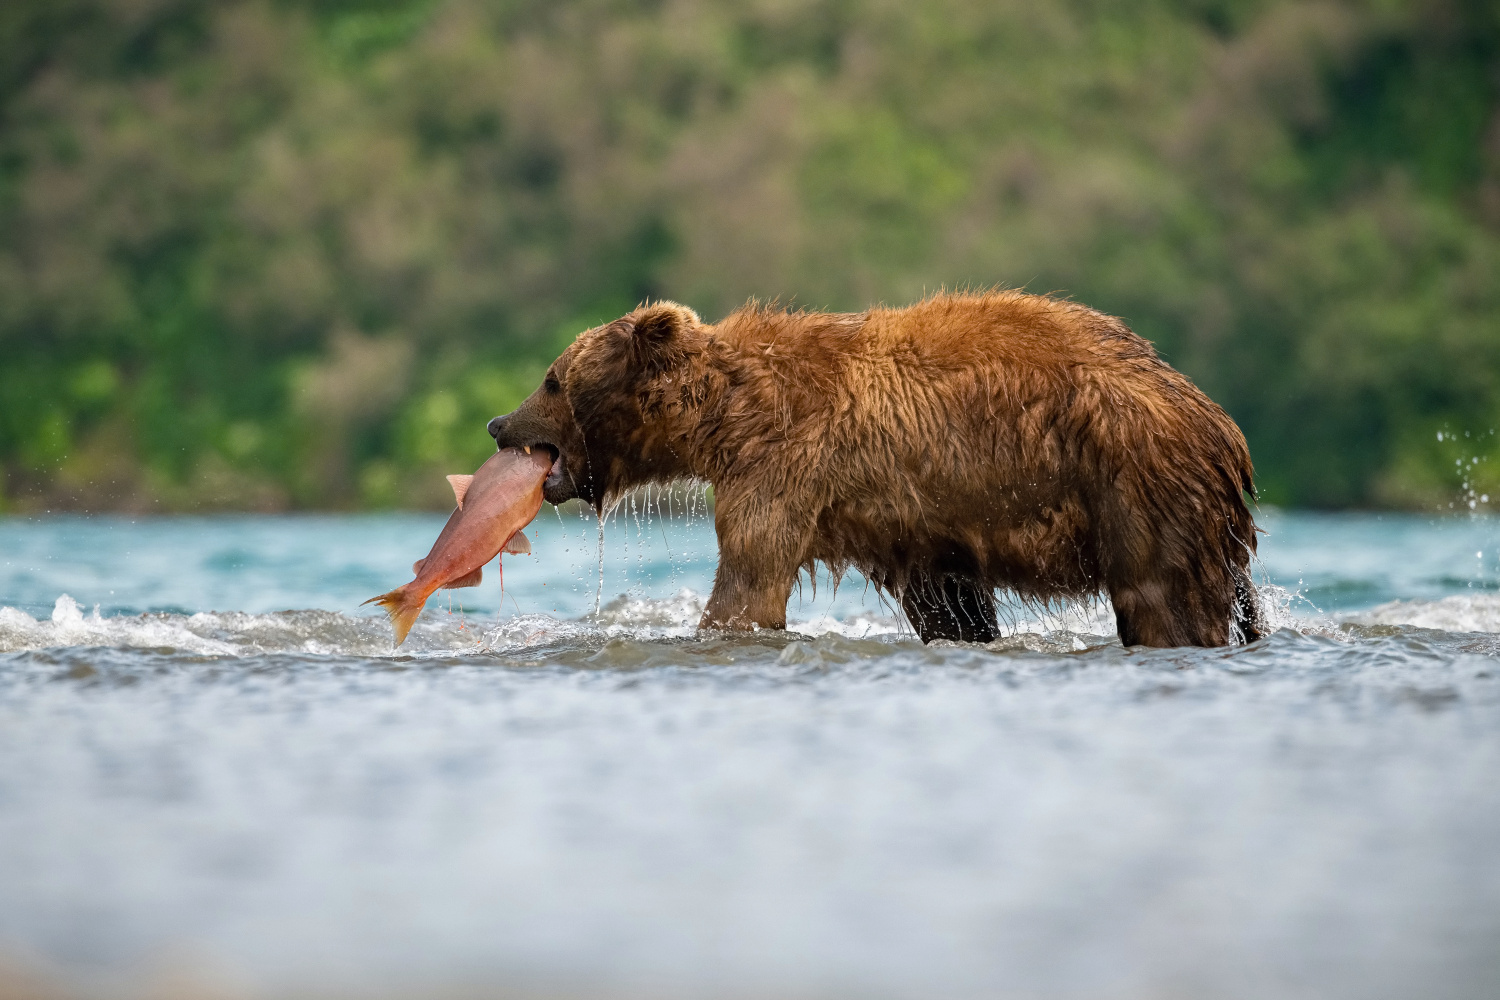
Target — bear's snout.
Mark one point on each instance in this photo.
(525, 428)
(521, 430)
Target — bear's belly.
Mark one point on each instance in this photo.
(1039, 546)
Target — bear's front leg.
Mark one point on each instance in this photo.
(760, 551)
(746, 600)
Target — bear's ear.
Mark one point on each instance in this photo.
(655, 334)
(656, 327)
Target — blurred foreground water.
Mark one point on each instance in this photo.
(213, 771)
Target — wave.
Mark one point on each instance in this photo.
(645, 618)
(234, 633)
(207, 633)
(1457, 613)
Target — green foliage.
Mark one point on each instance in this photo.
(262, 253)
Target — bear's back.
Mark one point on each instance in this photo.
(1006, 327)
(949, 331)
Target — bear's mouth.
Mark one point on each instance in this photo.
(555, 475)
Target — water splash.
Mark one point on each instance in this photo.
(1457, 613)
(1069, 627)
(226, 633)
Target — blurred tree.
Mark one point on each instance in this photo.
(260, 253)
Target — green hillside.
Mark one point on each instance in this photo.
(296, 253)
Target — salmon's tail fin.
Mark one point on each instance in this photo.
(402, 605)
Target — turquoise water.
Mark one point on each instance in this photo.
(213, 770)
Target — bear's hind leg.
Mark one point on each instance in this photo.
(1143, 617)
(950, 607)
(1176, 613)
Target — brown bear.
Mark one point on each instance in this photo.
(966, 443)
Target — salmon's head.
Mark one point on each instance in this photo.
(619, 408)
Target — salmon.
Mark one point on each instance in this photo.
(494, 504)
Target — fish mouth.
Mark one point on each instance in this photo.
(558, 486)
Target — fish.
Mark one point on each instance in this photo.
(494, 504)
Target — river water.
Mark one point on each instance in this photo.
(214, 771)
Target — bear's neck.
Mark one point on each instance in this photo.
(691, 412)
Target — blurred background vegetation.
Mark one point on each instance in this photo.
(295, 253)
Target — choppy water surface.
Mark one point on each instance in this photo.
(210, 761)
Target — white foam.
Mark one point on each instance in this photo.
(69, 626)
(1096, 617)
(861, 626)
(528, 631)
(232, 633)
(1458, 613)
(224, 633)
(674, 616)
(627, 616)
(632, 616)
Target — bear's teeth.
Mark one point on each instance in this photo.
(528, 449)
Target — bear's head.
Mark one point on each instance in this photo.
(616, 410)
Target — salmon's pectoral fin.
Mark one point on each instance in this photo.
(460, 486)
(473, 579)
(416, 567)
(519, 545)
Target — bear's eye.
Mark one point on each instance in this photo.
(551, 384)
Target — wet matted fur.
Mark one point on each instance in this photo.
(966, 443)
